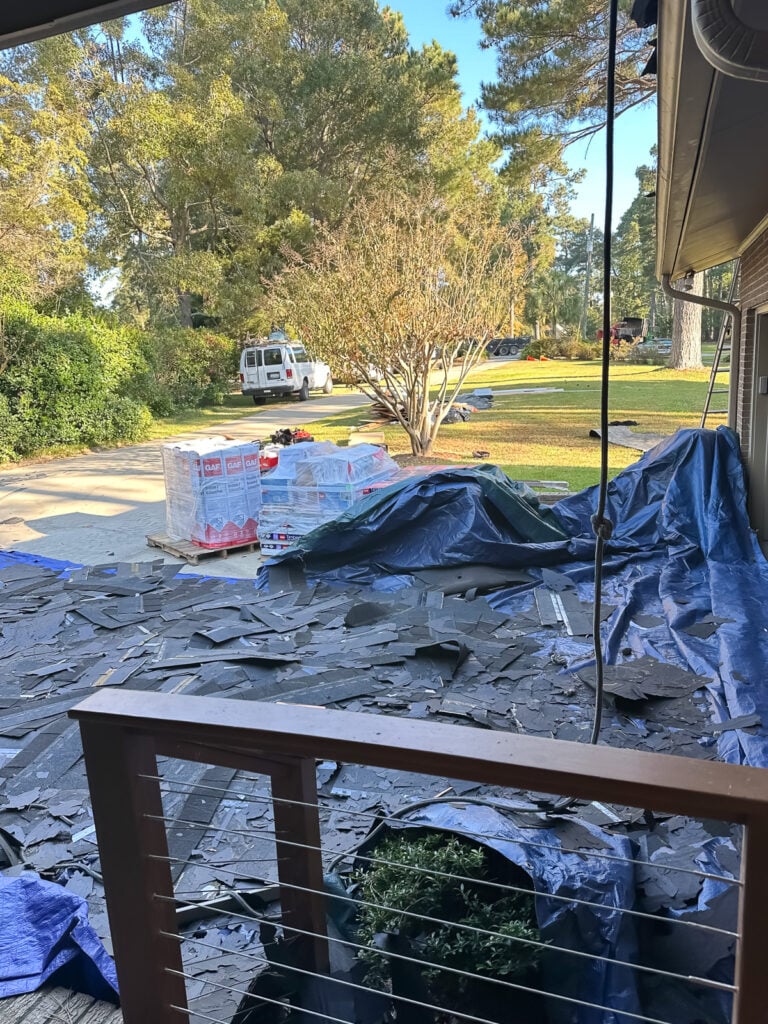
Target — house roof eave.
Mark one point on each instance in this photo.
(712, 190)
(38, 19)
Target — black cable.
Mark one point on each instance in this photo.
(602, 526)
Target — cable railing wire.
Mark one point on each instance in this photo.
(266, 999)
(397, 817)
(361, 988)
(395, 997)
(572, 1000)
(198, 1013)
(476, 930)
(433, 873)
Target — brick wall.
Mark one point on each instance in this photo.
(753, 293)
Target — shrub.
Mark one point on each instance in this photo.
(186, 368)
(9, 431)
(395, 885)
(82, 380)
(128, 420)
(66, 382)
(562, 348)
(542, 347)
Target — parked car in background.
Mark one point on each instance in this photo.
(280, 366)
(662, 345)
(507, 346)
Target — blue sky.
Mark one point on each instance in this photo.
(635, 131)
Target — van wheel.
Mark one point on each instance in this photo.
(259, 399)
(328, 386)
(304, 391)
(503, 350)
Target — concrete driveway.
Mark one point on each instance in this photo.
(100, 507)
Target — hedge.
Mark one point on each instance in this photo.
(86, 381)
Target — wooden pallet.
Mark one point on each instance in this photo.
(192, 553)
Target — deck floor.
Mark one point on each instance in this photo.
(57, 1006)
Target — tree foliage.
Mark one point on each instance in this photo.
(44, 197)
(66, 382)
(403, 289)
(216, 132)
(552, 58)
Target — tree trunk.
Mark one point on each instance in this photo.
(185, 309)
(180, 236)
(686, 331)
(420, 444)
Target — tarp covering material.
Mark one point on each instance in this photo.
(598, 930)
(45, 936)
(600, 875)
(23, 558)
(452, 517)
(682, 548)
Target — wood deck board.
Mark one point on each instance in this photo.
(57, 1006)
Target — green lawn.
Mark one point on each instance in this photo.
(532, 437)
(546, 437)
(235, 406)
(210, 417)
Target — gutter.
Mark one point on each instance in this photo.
(735, 313)
(729, 44)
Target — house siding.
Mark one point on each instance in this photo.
(753, 294)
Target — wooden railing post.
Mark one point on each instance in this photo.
(750, 999)
(115, 760)
(276, 740)
(301, 864)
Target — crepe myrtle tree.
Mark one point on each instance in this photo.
(403, 298)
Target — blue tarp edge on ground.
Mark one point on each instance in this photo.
(45, 937)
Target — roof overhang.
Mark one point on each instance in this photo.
(36, 19)
(712, 190)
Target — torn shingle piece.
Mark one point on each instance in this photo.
(556, 581)
(702, 630)
(548, 613)
(742, 722)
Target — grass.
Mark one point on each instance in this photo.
(546, 436)
(532, 437)
(234, 406)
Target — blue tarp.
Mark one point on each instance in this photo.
(22, 558)
(602, 879)
(596, 930)
(682, 548)
(45, 936)
(452, 517)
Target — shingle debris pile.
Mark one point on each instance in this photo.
(437, 651)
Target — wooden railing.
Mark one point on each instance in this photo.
(124, 733)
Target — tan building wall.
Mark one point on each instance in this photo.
(754, 293)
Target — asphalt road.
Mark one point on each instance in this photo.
(99, 507)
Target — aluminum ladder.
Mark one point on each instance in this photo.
(722, 360)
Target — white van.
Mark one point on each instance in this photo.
(281, 367)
